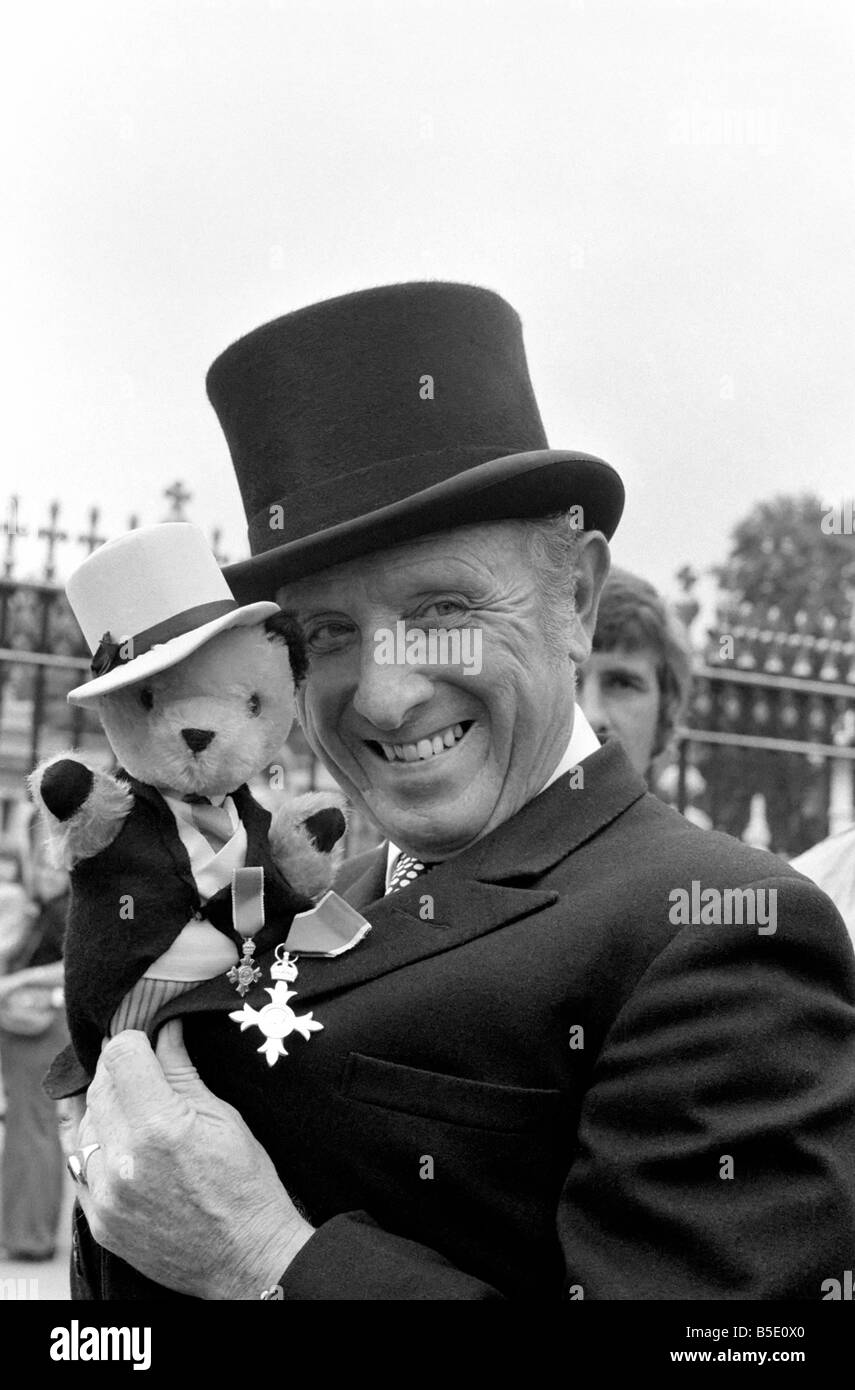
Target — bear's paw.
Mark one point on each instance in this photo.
(305, 840)
(82, 808)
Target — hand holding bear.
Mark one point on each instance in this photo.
(179, 1187)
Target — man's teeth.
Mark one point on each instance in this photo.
(425, 748)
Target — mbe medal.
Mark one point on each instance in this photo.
(277, 1019)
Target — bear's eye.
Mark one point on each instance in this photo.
(254, 705)
(147, 698)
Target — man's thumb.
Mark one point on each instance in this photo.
(175, 1061)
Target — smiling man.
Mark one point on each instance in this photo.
(442, 754)
(530, 1083)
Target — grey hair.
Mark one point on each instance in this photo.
(551, 543)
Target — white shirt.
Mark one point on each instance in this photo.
(831, 865)
(200, 951)
(211, 871)
(583, 742)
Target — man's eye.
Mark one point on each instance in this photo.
(147, 698)
(328, 636)
(441, 612)
(254, 705)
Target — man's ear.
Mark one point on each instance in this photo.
(593, 560)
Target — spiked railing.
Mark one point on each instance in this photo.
(42, 651)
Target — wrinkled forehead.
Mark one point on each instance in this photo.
(460, 554)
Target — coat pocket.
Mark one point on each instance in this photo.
(456, 1100)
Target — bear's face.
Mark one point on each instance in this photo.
(210, 723)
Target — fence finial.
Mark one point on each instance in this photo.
(216, 537)
(91, 538)
(12, 529)
(178, 496)
(51, 534)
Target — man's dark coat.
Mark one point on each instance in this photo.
(532, 1084)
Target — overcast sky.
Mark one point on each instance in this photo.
(663, 190)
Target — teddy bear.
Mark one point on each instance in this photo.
(177, 872)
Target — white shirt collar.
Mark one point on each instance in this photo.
(583, 742)
(179, 806)
(211, 870)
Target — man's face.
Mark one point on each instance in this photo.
(437, 754)
(618, 692)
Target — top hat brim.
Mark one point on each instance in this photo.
(166, 654)
(521, 486)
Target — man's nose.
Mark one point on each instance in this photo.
(387, 694)
(197, 739)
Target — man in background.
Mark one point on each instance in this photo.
(635, 684)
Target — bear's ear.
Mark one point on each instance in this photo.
(284, 627)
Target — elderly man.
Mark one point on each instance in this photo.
(561, 1064)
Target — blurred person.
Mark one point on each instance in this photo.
(15, 907)
(635, 684)
(32, 1029)
(15, 913)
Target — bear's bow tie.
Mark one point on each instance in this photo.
(214, 822)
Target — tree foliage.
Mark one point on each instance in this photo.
(782, 558)
(787, 569)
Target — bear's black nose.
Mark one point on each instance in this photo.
(197, 739)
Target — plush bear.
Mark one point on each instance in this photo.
(177, 872)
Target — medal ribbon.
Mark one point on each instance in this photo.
(248, 901)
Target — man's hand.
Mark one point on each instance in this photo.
(70, 1113)
(179, 1188)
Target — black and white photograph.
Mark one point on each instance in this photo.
(427, 667)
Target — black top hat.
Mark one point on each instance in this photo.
(377, 417)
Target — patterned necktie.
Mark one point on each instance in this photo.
(407, 869)
(214, 822)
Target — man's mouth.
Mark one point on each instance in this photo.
(432, 746)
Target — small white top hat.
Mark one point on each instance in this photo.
(146, 600)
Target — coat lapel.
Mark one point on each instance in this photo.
(491, 884)
(370, 884)
(165, 822)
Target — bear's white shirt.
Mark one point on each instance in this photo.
(211, 871)
(200, 951)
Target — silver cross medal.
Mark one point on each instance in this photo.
(277, 1019)
(246, 973)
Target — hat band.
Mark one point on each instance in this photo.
(318, 505)
(112, 654)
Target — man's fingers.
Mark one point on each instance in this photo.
(171, 1052)
(83, 1133)
(129, 1088)
(175, 1061)
(86, 1132)
(69, 1115)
